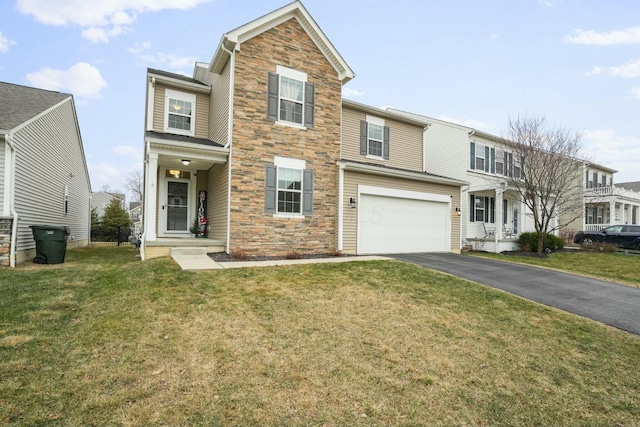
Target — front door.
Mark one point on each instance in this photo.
(176, 204)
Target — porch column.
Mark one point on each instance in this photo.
(621, 213)
(612, 212)
(498, 224)
(150, 193)
(636, 215)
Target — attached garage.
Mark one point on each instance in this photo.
(398, 221)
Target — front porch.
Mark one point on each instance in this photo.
(162, 246)
(493, 245)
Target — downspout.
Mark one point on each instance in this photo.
(232, 63)
(14, 214)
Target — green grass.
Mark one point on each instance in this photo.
(616, 267)
(104, 339)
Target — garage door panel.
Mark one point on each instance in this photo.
(401, 225)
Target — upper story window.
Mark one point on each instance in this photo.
(479, 157)
(499, 162)
(180, 110)
(374, 138)
(291, 100)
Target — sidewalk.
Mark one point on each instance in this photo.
(198, 262)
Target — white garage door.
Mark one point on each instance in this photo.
(401, 225)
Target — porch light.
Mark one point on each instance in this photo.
(174, 173)
(186, 162)
(352, 202)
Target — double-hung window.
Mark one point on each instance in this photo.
(480, 158)
(180, 110)
(288, 188)
(374, 138)
(290, 99)
(499, 162)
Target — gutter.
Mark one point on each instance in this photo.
(14, 214)
(229, 144)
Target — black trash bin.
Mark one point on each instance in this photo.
(51, 243)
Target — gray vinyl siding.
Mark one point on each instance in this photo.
(201, 117)
(350, 217)
(2, 169)
(48, 156)
(217, 201)
(405, 144)
(447, 151)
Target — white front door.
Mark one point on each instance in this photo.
(176, 205)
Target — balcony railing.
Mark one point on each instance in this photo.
(595, 227)
(600, 191)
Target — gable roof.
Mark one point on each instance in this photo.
(21, 103)
(634, 185)
(234, 38)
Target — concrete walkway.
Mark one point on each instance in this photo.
(199, 261)
(610, 303)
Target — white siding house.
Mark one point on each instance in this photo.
(44, 178)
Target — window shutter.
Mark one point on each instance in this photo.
(486, 159)
(272, 96)
(364, 128)
(472, 209)
(309, 103)
(493, 160)
(385, 143)
(271, 189)
(510, 164)
(473, 156)
(504, 211)
(493, 211)
(307, 192)
(505, 168)
(486, 209)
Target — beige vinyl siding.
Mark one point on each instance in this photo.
(2, 170)
(447, 151)
(217, 201)
(405, 142)
(202, 111)
(350, 218)
(219, 106)
(48, 156)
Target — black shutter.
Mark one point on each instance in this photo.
(364, 128)
(272, 96)
(385, 143)
(486, 209)
(505, 168)
(472, 164)
(493, 160)
(472, 209)
(271, 189)
(307, 192)
(309, 102)
(510, 164)
(493, 211)
(486, 159)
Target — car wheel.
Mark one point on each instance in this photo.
(588, 241)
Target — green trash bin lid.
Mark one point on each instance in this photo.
(50, 227)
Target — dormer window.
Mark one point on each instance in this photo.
(180, 112)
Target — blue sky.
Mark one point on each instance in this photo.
(475, 62)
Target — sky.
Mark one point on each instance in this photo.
(473, 62)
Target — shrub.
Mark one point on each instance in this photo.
(529, 242)
(567, 235)
(239, 254)
(293, 255)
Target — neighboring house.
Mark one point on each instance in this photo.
(135, 215)
(101, 199)
(261, 147)
(607, 203)
(43, 172)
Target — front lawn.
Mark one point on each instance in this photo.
(616, 267)
(104, 339)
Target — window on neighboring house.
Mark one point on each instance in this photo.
(599, 214)
(499, 162)
(180, 112)
(288, 188)
(480, 158)
(604, 180)
(290, 98)
(483, 209)
(374, 138)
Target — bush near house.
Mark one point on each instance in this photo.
(529, 242)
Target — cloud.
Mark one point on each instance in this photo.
(628, 70)
(82, 80)
(635, 92)
(162, 59)
(128, 150)
(112, 17)
(615, 151)
(472, 123)
(590, 37)
(5, 43)
(494, 36)
(351, 93)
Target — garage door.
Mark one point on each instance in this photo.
(402, 225)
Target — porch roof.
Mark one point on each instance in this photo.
(399, 172)
(181, 138)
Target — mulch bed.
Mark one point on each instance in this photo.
(224, 257)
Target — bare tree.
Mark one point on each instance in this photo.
(547, 173)
(134, 184)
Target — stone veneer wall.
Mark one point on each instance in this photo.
(5, 241)
(256, 140)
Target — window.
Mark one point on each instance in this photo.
(374, 138)
(483, 209)
(499, 162)
(290, 98)
(479, 208)
(180, 112)
(288, 188)
(480, 159)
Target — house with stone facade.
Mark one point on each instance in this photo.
(259, 149)
(43, 173)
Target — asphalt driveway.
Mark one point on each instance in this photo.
(606, 302)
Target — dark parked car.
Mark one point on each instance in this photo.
(625, 236)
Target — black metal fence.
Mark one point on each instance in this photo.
(110, 235)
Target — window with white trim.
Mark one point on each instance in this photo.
(290, 99)
(288, 188)
(180, 108)
(499, 163)
(479, 208)
(480, 157)
(374, 138)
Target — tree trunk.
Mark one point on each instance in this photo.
(540, 243)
